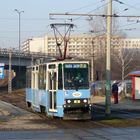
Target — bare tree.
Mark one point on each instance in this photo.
(126, 58)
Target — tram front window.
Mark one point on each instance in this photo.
(76, 76)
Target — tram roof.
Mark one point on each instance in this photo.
(61, 61)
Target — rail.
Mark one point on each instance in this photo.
(16, 53)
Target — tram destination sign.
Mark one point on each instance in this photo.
(80, 65)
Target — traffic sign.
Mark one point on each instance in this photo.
(1, 72)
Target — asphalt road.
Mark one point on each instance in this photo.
(131, 133)
(18, 124)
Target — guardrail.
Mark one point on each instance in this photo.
(17, 53)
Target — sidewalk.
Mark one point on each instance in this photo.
(126, 104)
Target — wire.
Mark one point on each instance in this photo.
(131, 6)
(83, 7)
(26, 19)
(81, 16)
(92, 10)
(128, 24)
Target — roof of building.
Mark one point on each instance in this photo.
(134, 73)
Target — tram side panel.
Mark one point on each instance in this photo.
(29, 97)
(42, 100)
(60, 103)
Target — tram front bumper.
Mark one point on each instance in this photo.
(78, 116)
(77, 111)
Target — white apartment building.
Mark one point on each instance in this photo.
(81, 46)
(130, 43)
(78, 46)
(36, 45)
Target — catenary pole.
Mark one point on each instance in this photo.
(108, 59)
(10, 73)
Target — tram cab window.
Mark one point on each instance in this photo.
(28, 77)
(42, 77)
(76, 76)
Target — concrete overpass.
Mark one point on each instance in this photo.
(25, 58)
(19, 62)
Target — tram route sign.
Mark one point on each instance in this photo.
(83, 65)
(1, 70)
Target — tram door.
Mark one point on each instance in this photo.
(35, 85)
(52, 86)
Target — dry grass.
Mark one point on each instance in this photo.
(16, 98)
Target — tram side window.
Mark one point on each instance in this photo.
(42, 77)
(60, 81)
(28, 77)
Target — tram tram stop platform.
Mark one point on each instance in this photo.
(123, 104)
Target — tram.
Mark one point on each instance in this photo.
(59, 89)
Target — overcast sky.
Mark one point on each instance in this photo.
(35, 19)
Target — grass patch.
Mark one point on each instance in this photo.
(117, 122)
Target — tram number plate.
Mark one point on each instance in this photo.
(77, 101)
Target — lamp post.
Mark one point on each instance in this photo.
(19, 14)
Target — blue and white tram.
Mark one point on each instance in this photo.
(59, 88)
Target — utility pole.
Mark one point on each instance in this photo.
(108, 59)
(10, 73)
(92, 62)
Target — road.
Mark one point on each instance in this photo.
(19, 124)
(131, 133)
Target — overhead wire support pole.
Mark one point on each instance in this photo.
(108, 60)
(10, 72)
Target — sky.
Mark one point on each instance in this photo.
(35, 21)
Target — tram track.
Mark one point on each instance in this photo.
(100, 120)
(18, 100)
(121, 113)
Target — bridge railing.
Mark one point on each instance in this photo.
(6, 51)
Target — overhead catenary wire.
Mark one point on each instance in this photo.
(131, 6)
(83, 7)
(92, 10)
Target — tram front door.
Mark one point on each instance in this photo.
(52, 90)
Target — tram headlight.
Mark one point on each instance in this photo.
(69, 101)
(85, 101)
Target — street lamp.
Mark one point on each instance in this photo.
(19, 14)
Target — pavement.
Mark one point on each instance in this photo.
(124, 103)
(15, 118)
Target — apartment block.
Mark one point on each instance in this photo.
(85, 46)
